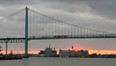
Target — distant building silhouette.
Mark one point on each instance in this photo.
(64, 53)
(73, 53)
(0, 50)
(48, 52)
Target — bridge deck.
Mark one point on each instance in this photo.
(22, 40)
(12, 40)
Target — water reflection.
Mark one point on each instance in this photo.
(25, 62)
(46, 61)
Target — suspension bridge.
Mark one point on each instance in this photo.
(33, 25)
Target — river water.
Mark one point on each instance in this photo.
(46, 61)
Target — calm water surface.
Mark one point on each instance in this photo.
(42, 61)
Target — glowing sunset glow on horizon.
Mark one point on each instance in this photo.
(90, 51)
(71, 47)
(103, 51)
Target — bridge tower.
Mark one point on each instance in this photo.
(26, 32)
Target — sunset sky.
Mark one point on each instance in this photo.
(98, 14)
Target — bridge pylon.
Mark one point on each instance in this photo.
(26, 33)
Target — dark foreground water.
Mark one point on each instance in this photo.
(42, 61)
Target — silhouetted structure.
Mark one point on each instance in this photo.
(73, 53)
(48, 52)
